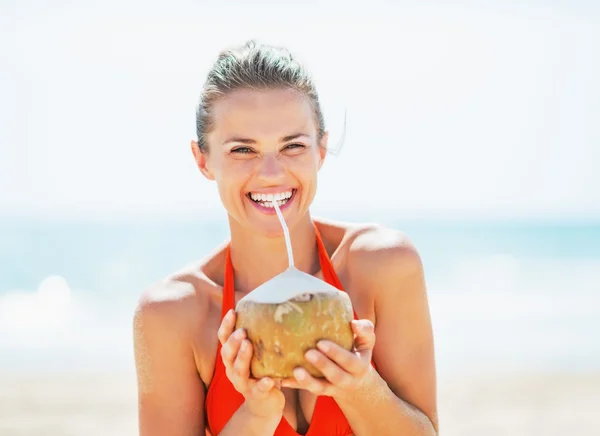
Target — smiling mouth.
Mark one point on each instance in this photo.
(266, 200)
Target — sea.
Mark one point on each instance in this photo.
(504, 296)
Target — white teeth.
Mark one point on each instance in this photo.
(268, 198)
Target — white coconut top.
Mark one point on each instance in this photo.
(292, 282)
(289, 284)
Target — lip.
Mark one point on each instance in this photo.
(271, 210)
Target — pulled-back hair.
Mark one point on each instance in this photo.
(256, 67)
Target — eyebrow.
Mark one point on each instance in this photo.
(252, 141)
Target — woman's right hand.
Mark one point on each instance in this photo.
(262, 397)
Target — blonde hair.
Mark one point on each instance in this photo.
(254, 66)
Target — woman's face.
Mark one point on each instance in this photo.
(264, 146)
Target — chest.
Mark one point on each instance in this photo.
(299, 409)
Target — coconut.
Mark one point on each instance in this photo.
(287, 315)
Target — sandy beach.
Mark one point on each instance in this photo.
(516, 405)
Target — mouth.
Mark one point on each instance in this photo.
(264, 202)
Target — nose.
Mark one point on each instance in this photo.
(271, 171)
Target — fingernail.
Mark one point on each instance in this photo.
(311, 356)
(299, 374)
(324, 346)
(239, 334)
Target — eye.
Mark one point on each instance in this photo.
(241, 150)
(295, 147)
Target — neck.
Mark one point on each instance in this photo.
(257, 258)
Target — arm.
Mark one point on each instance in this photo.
(170, 391)
(171, 394)
(400, 397)
(263, 405)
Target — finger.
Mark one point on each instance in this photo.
(241, 365)
(231, 348)
(226, 327)
(331, 370)
(365, 335)
(346, 360)
(263, 386)
(310, 383)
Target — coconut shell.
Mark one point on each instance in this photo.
(281, 333)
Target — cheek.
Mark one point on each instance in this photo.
(306, 162)
(233, 175)
(306, 167)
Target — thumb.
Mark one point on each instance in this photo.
(365, 336)
(264, 385)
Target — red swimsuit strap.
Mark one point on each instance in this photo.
(329, 274)
(228, 288)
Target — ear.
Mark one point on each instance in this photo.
(323, 149)
(201, 160)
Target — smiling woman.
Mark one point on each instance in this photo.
(269, 140)
(262, 139)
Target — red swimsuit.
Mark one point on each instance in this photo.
(222, 400)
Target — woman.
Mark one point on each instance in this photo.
(261, 138)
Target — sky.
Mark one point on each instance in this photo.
(455, 109)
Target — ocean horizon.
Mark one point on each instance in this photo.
(505, 295)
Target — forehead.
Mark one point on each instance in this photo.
(262, 114)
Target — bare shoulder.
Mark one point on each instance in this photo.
(178, 310)
(370, 248)
(379, 250)
(382, 264)
(176, 299)
(186, 292)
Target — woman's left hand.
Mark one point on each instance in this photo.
(345, 371)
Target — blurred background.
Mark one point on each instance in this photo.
(472, 126)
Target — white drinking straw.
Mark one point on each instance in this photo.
(286, 233)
